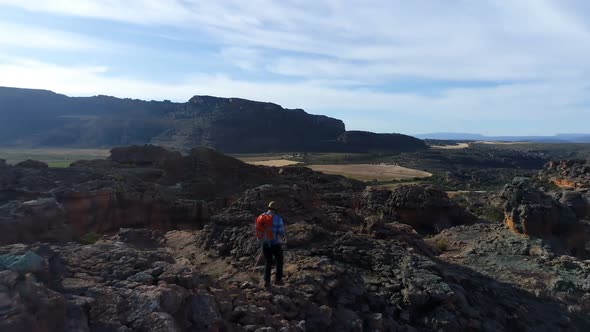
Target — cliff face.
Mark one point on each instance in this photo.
(364, 141)
(37, 118)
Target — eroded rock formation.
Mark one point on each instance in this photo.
(532, 212)
(425, 208)
(356, 259)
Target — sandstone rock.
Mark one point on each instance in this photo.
(532, 212)
(141, 237)
(577, 201)
(426, 209)
(568, 174)
(40, 219)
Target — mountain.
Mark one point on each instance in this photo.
(38, 118)
(559, 138)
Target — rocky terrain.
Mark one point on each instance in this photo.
(173, 250)
(39, 118)
(569, 174)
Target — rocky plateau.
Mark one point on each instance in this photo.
(155, 240)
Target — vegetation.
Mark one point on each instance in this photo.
(89, 238)
(441, 244)
(491, 213)
(57, 157)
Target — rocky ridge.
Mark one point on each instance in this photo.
(42, 118)
(357, 259)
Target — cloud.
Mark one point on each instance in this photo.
(512, 106)
(508, 64)
(32, 37)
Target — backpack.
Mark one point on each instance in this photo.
(264, 227)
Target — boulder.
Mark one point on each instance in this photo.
(530, 211)
(36, 220)
(577, 201)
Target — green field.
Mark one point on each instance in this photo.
(54, 157)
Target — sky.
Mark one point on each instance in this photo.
(495, 67)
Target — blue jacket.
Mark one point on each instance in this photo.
(278, 228)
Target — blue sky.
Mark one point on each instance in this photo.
(495, 67)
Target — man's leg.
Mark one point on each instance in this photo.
(267, 251)
(278, 253)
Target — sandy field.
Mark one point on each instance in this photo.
(369, 172)
(272, 162)
(451, 147)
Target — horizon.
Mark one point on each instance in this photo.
(491, 67)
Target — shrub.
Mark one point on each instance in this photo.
(89, 238)
(441, 244)
(491, 213)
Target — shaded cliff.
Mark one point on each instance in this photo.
(37, 118)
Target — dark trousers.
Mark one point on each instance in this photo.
(270, 251)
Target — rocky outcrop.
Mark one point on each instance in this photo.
(139, 186)
(568, 174)
(426, 209)
(363, 141)
(577, 201)
(355, 282)
(31, 164)
(147, 155)
(143, 186)
(42, 219)
(532, 212)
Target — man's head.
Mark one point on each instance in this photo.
(272, 206)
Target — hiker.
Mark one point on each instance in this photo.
(269, 231)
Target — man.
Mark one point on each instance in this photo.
(271, 245)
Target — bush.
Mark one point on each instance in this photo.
(491, 213)
(441, 244)
(89, 238)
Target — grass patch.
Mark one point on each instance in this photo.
(59, 164)
(89, 238)
(441, 244)
(492, 213)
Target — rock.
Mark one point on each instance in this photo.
(147, 155)
(142, 278)
(363, 141)
(161, 321)
(426, 209)
(35, 220)
(531, 212)
(141, 237)
(576, 201)
(32, 164)
(27, 263)
(568, 174)
(205, 314)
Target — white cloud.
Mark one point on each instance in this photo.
(512, 105)
(342, 55)
(31, 37)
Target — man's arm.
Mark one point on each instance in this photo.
(279, 227)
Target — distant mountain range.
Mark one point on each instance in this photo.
(41, 118)
(559, 138)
